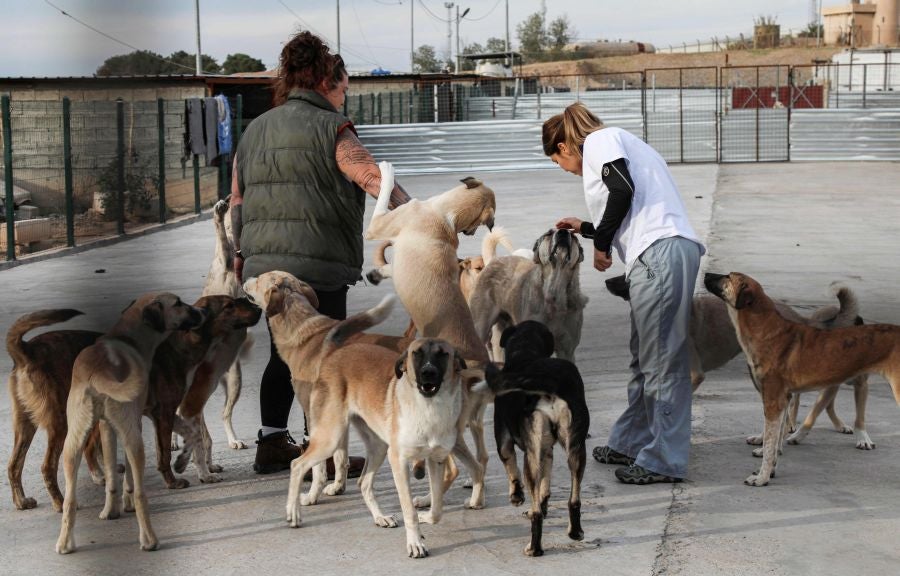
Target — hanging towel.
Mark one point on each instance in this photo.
(224, 126)
(210, 125)
(193, 119)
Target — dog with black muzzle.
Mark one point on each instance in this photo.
(540, 402)
(545, 288)
(405, 408)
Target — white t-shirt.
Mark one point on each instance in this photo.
(656, 207)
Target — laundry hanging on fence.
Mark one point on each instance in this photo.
(195, 143)
(211, 130)
(224, 125)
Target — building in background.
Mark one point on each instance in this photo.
(862, 24)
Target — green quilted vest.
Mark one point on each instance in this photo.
(300, 214)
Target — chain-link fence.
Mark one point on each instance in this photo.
(83, 170)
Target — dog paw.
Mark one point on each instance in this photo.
(178, 484)
(529, 551)
(221, 208)
(210, 478)
(757, 452)
(128, 502)
(109, 513)
(335, 489)
(308, 500)
(149, 543)
(416, 549)
(98, 478)
(426, 518)
(386, 521)
(864, 442)
(215, 467)
(754, 440)
(237, 445)
(58, 504)
(421, 502)
(293, 515)
(29, 503)
(755, 480)
(65, 547)
(181, 463)
(516, 498)
(473, 504)
(845, 430)
(576, 535)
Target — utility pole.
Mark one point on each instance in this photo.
(458, 18)
(449, 7)
(507, 32)
(197, 14)
(338, 26)
(819, 26)
(412, 48)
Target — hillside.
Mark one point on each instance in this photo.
(615, 70)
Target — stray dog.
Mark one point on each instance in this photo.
(788, 357)
(225, 366)
(425, 239)
(110, 382)
(546, 288)
(712, 342)
(38, 388)
(300, 332)
(404, 408)
(174, 365)
(540, 401)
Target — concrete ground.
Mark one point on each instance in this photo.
(832, 509)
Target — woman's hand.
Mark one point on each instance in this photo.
(569, 223)
(602, 261)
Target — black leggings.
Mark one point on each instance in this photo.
(276, 395)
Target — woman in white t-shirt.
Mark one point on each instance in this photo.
(635, 207)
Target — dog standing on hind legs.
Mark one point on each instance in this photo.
(788, 357)
(110, 383)
(540, 402)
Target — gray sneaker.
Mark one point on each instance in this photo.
(606, 455)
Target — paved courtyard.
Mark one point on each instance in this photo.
(831, 509)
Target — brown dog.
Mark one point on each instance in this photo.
(300, 332)
(174, 362)
(38, 388)
(788, 357)
(110, 383)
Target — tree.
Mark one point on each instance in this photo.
(495, 45)
(466, 65)
(182, 62)
(560, 32)
(138, 63)
(425, 60)
(239, 62)
(532, 35)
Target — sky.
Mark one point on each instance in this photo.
(37, 40)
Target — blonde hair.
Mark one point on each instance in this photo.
(571, 126)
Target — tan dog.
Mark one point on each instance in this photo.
(110, 382)
(299, 332)
(546, 289)
(406, 408)
(788, 357)
(225, 366)
(425, 238)
(38, 388)
(713, 343)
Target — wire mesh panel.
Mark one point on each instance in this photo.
(755, 114)
(681, 111)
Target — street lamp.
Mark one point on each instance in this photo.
(458, 18)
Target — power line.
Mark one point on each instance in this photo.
(123, 43)
(497, 3)
(323, 36)
(361, 32)
(432, 14)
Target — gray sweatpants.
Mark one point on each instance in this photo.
(655, 428)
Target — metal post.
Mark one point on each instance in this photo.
(161, 184)
(196, 162)
(436, 103)
(380, 109)
(681, 112)
(412, 46)
(239, 120)
(539, 100)
(391, 107)
(67, 168)
(8, 180)
(790, 106)
(865, 70)
(758, 104)
(644, 105)
(120, 166)
(199, 60)
(338, 20)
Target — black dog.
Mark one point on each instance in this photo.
(540, 401)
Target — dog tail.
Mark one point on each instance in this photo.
(357, 323)
(846, 315)
(382, 266)
(489, 246)
(16, 346)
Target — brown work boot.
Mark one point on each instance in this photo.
(274, 452)
(354, 468)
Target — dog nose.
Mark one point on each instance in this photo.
(711, 281)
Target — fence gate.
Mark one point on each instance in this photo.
(755, 104)
(680, 113)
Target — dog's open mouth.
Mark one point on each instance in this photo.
(429, 389)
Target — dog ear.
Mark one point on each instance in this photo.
(580, 249)
(744, 298)
(310, 295)
(400, 364)
(153, 315)
(274, 302)
(534, 250)
(504, 338)
(459, 362)
(549, 343)
(471, 182)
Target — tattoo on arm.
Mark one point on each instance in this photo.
(355, 162)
